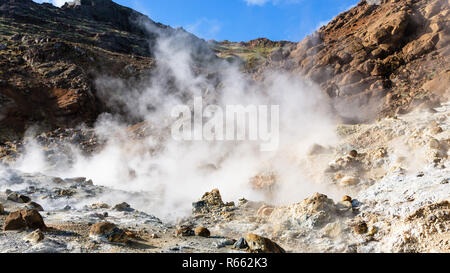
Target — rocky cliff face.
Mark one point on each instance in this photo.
(379, 58)
(50, 58)
(398, 50)
(376, 59)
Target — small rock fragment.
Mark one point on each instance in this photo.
(361, 228)
(184, 231)
(123, 207)
(372, 231)
(346, 199)
(18, 198)
(353, 153)
(202, 232)
(108, 232)
(100, 206)
(35, 236)
(258, 244)
(349, 181)
(34, 205)
(240, 244)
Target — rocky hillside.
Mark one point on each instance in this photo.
(383, 57)
(51, 56)
(127, 187)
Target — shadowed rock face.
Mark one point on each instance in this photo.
(50, 58)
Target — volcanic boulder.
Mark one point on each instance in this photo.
(23, 219)
(258, 244)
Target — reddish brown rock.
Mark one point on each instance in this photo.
(14, 221)
(108, 232)
(184, 232)
(258, 244)
(23, 219)
(346, 199)
(33, 219)
(202, 232)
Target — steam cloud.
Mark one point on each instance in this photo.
(178, 173)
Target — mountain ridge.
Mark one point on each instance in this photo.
(51, 56)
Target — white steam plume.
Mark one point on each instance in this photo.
(180, 172)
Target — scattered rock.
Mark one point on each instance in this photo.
(225, 242)
(436, 130)
(242, 202)
(240, 244)
(108, 232)
(381, 153)
(210, 201)
(346, 199)
(123, 207)
(64, 192)
(372, 231)
(349, 181)
(35, 236)
(18, 198)
(57, 180)
(75, 180)
(258, 244)
(353, 153)
(2, 209)
(100, 206)
(213, 198)
(184, 232)
(361, 228)
(202, 232)
(34, 205)
(23, 219)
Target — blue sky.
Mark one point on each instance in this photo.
(241, 20)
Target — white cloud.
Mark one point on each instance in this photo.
(205, 28)
(256, 2)
(274, 2)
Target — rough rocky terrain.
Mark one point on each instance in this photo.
(51, 57)
(385, 180)
(396, 202)
(381, 57)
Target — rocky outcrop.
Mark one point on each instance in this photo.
(50, 57)
(397, 49)
(377, 59)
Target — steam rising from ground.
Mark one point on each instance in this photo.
(178, 173)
